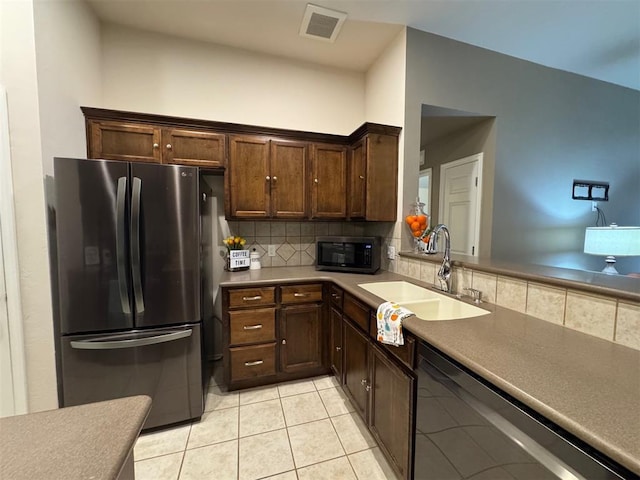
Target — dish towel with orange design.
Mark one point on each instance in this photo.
(390, 316)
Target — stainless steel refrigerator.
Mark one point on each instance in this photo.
(126, 276)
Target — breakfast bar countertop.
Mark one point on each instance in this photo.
(588, 386)
(95, 440)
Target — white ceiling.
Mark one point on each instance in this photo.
(596, 38)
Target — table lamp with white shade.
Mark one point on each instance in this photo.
(610, 242)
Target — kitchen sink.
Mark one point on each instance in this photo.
(426, 304)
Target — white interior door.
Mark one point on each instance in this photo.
(460, 194)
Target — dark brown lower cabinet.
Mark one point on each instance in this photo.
(391, 414)
(356, 368)
(300, 337)
(336, 351)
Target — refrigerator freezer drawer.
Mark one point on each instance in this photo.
(163, 363)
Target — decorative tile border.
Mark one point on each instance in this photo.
(602, 316)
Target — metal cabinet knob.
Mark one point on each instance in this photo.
(275, 178)
(338, 349)
(361, 177)
(267, 178)
(169, 146)
(368, 388)
(364, 381)
(284, 342)
(315, 180)
(155, 145)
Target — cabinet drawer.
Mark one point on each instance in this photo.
(252, 297)
(336, 297)
(252, 326)
(301, 293)
(356, 311)
(253, 362)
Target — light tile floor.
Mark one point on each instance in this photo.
(302, 430)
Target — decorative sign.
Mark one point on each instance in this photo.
(239, 259)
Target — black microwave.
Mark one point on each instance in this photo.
(348, 254)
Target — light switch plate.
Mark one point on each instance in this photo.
(271, 251)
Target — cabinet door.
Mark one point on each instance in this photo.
(391, 415)
(381, 177)
(192, 147)
(301, 337)
(122, 141)
(329, 177)
(356, 368)
(247, 177)
(357, 180)
(288, 179)
(336, 351)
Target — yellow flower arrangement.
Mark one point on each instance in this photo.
(234, 243)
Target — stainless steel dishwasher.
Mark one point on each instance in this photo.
(468, 429)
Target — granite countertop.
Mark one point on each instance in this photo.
(586, 385)
(83, 442)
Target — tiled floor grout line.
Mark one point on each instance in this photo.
(238, 450)
(286, 427)
(342, 445)
(295, 468)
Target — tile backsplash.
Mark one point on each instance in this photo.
(295, 242)
(602, 316)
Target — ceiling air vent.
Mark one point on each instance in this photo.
(321, 23)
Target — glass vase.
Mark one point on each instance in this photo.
(418, 222)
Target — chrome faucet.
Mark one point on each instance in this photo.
(444, 273)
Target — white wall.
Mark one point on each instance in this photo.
(551, 127)
(384, 103)
(50, 65)
(68, 57)
(153, 73)
(18, 74)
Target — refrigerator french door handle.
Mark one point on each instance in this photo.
(121, 246)
(97, 344)
(136, 266)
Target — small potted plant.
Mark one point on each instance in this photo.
(237, 257)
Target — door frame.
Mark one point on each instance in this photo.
(456, 163)
(11, 334)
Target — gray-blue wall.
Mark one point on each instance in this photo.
(551, 127)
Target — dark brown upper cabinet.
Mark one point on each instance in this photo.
(266, 178)
(328, 181)
(373, 176)
(117, 140)
(247, 177)
(270, 173)
(123, 141)
(288, 161)
(193, 147)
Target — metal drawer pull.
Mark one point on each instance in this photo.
(253, 364)
(248, 299)
(252, 327)
(300, 294)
